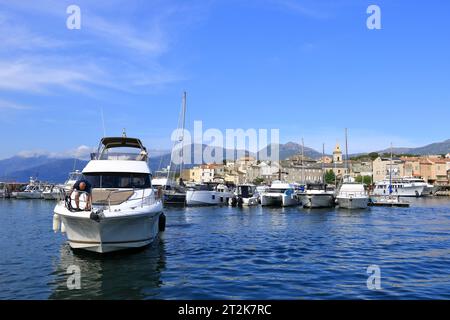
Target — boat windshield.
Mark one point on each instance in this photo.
(119, 180)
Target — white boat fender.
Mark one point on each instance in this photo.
(56, 222)
(63, 227)
(162, 222)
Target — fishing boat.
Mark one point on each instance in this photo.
(33, 190)
(280, 194)
(125, 212)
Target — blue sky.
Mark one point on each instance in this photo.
(310, 68)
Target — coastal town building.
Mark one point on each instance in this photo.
(266, 170)
(383, 167)
(361, 168)
(203, 173)
(433, 169)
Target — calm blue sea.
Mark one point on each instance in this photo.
(232, 253)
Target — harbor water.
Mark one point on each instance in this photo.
(234, 253)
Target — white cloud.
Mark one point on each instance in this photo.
(34, 63)
(82, 152)
(30, 76)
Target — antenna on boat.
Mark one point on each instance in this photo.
(124, 133)
(182, 131)
(103, 122)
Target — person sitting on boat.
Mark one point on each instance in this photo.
(82, 186)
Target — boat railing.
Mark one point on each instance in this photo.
(109, 201)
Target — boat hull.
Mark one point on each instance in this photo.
(353, 203)
(29, 195)
(174, 199)
(318, 201)
(207, 198)
(411, 191)
(279, 200)
(113, 232)
(50, 196)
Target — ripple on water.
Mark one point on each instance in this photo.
(251, 253)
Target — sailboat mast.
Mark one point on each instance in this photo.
(303, 166)
(183, 124)
(390, 173)
(323, 160)
(346, 151)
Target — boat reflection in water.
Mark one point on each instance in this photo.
(134, 274)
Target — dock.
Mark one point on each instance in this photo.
(388, 202)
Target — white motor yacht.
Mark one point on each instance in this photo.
(211, 193)
(352, 195)
(52, 192)
(32, 191)
(317, 195)
(402, 187)
(125, 212)
(245, 195)
(280, 194)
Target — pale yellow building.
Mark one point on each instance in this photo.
(382, 167)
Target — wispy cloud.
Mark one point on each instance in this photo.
(81, 152)
(5, 104)
(130, 50)
(16, 36)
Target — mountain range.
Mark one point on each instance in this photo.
(46, 168)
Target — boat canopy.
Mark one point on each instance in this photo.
(120, 142)
(124, 144)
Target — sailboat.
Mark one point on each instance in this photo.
(351, 195)
(174, 192)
